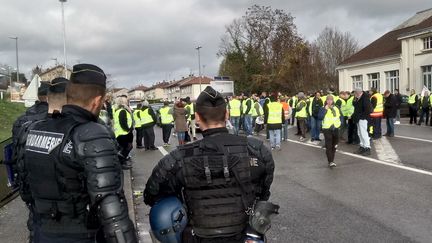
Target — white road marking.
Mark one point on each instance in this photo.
(162, 150)
(385, 151)
(403, 167)
(415, 139)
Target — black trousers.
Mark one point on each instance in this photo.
(413, 114)
(352, 132)
(301, 127)
(331, 139)
(293, 116)
(423, 113)
(376, 124)
(166, 132)
(149, 137)
(139, 137)
(125, 142)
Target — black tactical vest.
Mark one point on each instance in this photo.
(218, 189)
(57, 185)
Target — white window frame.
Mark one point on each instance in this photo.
(357, 82)
(374, 80)
(427, 76)
(392, 79)
(427, 43)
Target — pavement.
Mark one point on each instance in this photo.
(385, 197)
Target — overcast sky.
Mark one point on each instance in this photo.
(145, 41)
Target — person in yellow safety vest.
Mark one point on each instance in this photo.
(353, 137)
(257, 114)
(293, 104)
(166, 115)
(287, 115)
(315, 105)
(301, 116)
(413, 102)
(425, 105)
(190, 108)
(123, 127)
(274, 121)
(331, 122)
(138, 126)
(234, 107)
(342, 104)
(148, 120)
(247, 107)
(377, 101)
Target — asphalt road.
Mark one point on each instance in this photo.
(361, 200)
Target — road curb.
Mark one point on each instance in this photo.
(127, 187)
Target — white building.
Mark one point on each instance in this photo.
(193, 87)
(137, 93)
(400, 59)
(156, 91)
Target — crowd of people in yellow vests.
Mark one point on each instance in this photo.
(354, 117)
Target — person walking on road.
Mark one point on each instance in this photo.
(353, 137)
(314, 108)
(274, 121)
(247, 106)
(413, 103)
(234, 107)
(179, 115)
(377, 101)
(166, 115)
(362, 111)
(123, 127)
(190, 107)
(390, 112)
(301, 116)
(399, 101)
(425, 105)
(138, 127)
(293, 104)
(148, 121)
(257, 116)
(331, 122)
(287, 115)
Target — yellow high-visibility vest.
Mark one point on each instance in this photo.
(166, 118)
(331, 120)
(235, 106)
(146, 118)
(137, 119)
(294, 101)
(118, 130)
(302, 113)
(379, 108)
(310, 100)
(411, 99)
(254, 112)
(191, 109)
(244, 104)
(347, 107)
(275, 113)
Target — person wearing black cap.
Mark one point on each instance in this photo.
(69, 171)
(220, 176)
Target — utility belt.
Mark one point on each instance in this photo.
(55, 210)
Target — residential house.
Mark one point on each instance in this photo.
(116, 92)
(193, 86)
(400, 59)
(156, 91)
(137, 93)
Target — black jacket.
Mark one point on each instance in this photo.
(167, 177)
(398, 100)
(390, 106)
(316, 106)
(362, 108)
(152, 114)
(36, 112)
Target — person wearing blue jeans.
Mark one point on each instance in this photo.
(390, 112)
(235, 122)
(316, 123)
(315, 128)
(247, 122)
(275, 138)
(285, 129)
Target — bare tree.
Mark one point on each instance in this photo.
(335, 46)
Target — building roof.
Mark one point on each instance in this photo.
(159, 85)
(115, 90)
(196, 80)
(389, 44)
(139, 87)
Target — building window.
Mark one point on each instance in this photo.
(427, 43)
(357, 82)
(427, 76)
(374, 81)
(392, 78)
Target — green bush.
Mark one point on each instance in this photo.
(9, 112)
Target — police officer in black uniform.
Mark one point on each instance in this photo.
(69, 170)
(219, 176)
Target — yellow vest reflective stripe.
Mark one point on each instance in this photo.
(275, 113)
(145, 117)
(323, 99)
(411, 99)
(137, 119)
(380, 102)
(244, 104)
(254, 112)
(310, 99)
(294, 101)
(191, 109)
(330, 120)
(302, 113)
(344, 107)
(118, 130)
(166, 118)
(234, 105)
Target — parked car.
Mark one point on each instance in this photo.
(133, 103)
(404, 108)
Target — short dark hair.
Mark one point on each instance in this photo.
(212, 114)
(82, 94)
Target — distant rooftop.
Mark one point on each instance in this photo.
(416, 19)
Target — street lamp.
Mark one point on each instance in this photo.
(199, 64)
(64, 37)
(16, 51)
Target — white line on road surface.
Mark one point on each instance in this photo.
(385, 151)
(415, 139)
(403, 167)
(162, 150)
